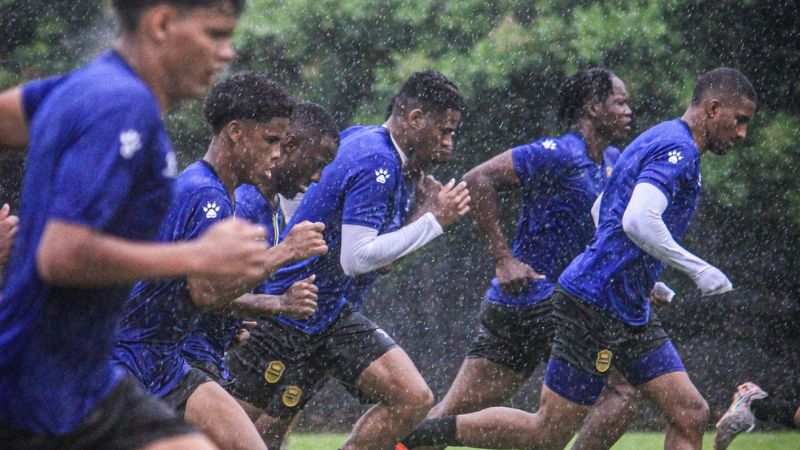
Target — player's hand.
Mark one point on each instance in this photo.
(243, 334)
(232, 248)
(8, 229)
(305, 240)
(450, 203)
(661, 295)
(300, 300)
(514, 274)
(711, 281)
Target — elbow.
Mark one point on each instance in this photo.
(476, 180)
(631, 225)
(206, 296)
(350, 268)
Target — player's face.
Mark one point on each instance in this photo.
(614, 114)
(435, 139)
(728, 123)
(302, 163)
(199, 47)
(258, 149)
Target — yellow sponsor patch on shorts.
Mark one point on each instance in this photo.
(603, 362)
(291, 396)
(274, 371)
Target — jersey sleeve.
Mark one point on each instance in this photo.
(372, 185)
(205, 207)
(98, 170)
(35, 91)
(668, 167)
(535, 165)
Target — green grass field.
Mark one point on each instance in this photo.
(631, 441)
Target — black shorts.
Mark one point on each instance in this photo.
(517, 338)
(279, 369)
(178, 397)
(128, 418)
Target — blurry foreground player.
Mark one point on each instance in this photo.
(602, 313)
(248, 114)
(310, 144)
(98, 183)
(750, 402)
(363, 199)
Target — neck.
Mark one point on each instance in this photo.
(694, 117)
(219, 157)
(595, 141)
(401, 135)
(146, 66)
(270, 188)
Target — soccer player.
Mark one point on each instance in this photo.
(363, 198)
(602, 314)
(750, 402)
(249, 115)
(98, 181)
(310, 144)
(561, 178)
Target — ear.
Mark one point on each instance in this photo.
(234, 131)
(592, 109)
(156, 22)
(289, 143)
(712, 107)
(416, 118)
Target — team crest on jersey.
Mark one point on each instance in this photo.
(211, 210)
(274, 371)
(674, 156)
(291, 395)
(381, 175)
(130, 142)
(603, 361)
(549, 144)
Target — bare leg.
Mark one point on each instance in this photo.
(272, 430)
(403, 400)
(609, 417)
(185, 442)
(551, 427)
(220, 417)
(797, 418)
(686, 410)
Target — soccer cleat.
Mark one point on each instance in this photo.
(738, 418)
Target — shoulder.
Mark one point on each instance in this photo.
(197, 182)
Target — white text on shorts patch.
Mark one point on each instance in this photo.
(381, 175)
(211, 210)
(130, 142)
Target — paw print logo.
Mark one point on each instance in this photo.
(381, 175)
(549, 144)
(674, 157)
(211, 210)
(130, 142)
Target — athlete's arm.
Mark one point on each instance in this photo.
(364, 251)
(75, 255)
(643, 223)
(13, 124)
(299, 301)
(485, 181)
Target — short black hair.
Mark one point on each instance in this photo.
(723, 81)
(315, 119)
(130, 11)
(589, 84)
(430, 91)
(246, 96)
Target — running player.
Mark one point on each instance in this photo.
(601, 309)
(750, 402)
(248, 114)
(362, 198)
(310, 144)
(561, 178)
(98, 179)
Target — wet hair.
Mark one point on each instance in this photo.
(131, 11)
(246, 96)
(429, 91)
(314, 119)
(590, 84)
(723, 81)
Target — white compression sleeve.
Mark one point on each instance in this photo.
(364, 251)
(596, 209)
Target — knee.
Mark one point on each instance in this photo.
(694, 416)
(418, 399)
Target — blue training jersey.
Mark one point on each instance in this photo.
(364, 186)
(159, 314)
(214, 333)
(559, 186)
(613, 273)
(100, 158)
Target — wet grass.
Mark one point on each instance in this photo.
(631, 441)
